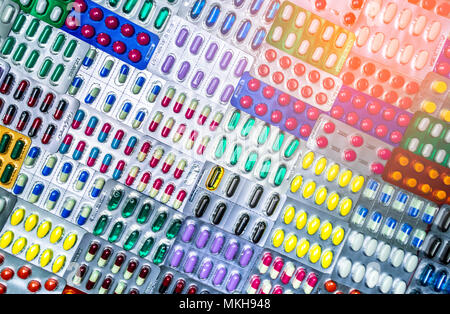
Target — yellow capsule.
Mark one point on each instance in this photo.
(346, 206)
(321, 195)
(214, 178)
(291, 243)
(357, 184)
(19, 245)
(301, 220)
(308, 160)
(332, 172)
(320, 166)
(278, 238)
(309, 189)
(345, 177)
(333, 201)
(17, 216)
(31, 222)
(302, 248)
(296, 183)
(327, 259)
(32, 252)
(325, 231)
(56, 234)
(289, 214)
(315, 253)
(46, 257)
(313, 225)
(58, 263)
(43, 229)
(6, 239)
(338, 236)
(69, 241)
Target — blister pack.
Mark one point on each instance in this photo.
(36, 110)
(100, 267)
(310, 38)
(53, 12)
(307, 235)
(123, 154)
(403, 36)
(210, 255)
(428, 137)
(20, 277)
(171, 281)
(373, 266)
(275, 107)
(437, 243)
(379, 81)
(111, 33)
(135, 222)
(189, 55)
(13, 149)
(330, 286)
(325, 185)
(430, 278)
(440, 7)
(46, 54)
(418, 175)
(296, 78)
(434, 97)
(7, 202)
(393, 215)
(354, 149)
(9, 11)
(40, 237)
(244, 23)
(442, 66)
(275, 274)
(371, 116)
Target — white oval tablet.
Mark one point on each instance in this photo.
(370, 247)
(344, 267)
(389, 13)
(290, 41)
(303, 48)
(404, 19)
(356, 241)
(7, 14)
(373, 8)
(386, 283)
(406, 54)
(363, 36)
(383, 253)
(413, 144)
(41, 6)
(287, 12)
(277, 32)
(377, 42)
(328, 33)
(56, 14)
(399, 287)
(314, 26)
(434, 31)
(317, 54)
(419, 26)
(341, 39)
(392, 48)
(423, 124)
(436, 130)
(331, 61)
(427, 150)
(440, 156)
(358, 271)
(397, 257)
(410, 262)
(421, 60)
(372, 277)
(300, 20)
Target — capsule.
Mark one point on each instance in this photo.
(52, 199)
(98, 187)
(36, 193)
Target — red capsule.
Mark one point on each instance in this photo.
(34, 96)
(20, 90)
(93, 248)
(23, 120)
(34, 129)
(132, 265)
(192, 289)
(120, 258)
(179, 286)
(106, 283)
(48, 100)
(165, 283)
(62, 105)
(9, 115)
(7, 82)
(48, 134)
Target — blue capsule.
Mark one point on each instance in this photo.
(97, 188)
(84, 214)
(243, 31)
(91, 125)
(156, 89)
(389, 227)
(440, 281)
(123, 73)
(32, 155)
(92, 95)
(140, 116)
(109, 102)
(21, 182)
(258, 39)
(140, 81)
(49, 166)
(256, 6)
(213, 16)
(69, 204)
(126, 108)
(228, 23)
(414, 207)
(400, 201)
(360, 216)
(52, 199)
(106, 68)
(428, 213)
(66, 170)
(374, 222)
(93, 154)
(78, 119)
(82, 179)
(386, 194)
(75, 85)
(36, 192)
(197, 9)
(371, 189)
(426, 275)
(272, 11)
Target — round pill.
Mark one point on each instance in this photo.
(397, 257)
(127, 30)
(103, 39)
(119, 47)
(143, 39)
(410, 262)
(370, 246)
(134, 55)
(356, 240)
(276, 116)
(352, 118)
(111, 22)
(386, 283)
(383, 252)
(268, 92)
(349, 155)
(96, 14)
(322, 142)
(337, 112)
(305, 130)
(87, 31)
(329, 127)
(261, 109)
(344, 267)
(358, 272)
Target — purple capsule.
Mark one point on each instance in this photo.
(219, 275)
(184, 70)
(233, 282)
(197, 79)
(177, 257)
(226, 58)
(168, 63)
(202, 238)
(231, 251)
(205, 269)
(246, 256)
(240, 67)
(188, 232)
(181, 38)
(217, 244)
(211, 52)
(196, 44)
(227, 93)
(212, 86)
(190, 263)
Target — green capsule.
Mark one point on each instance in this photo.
(91, 54)
(234, 120)
(100, 225)
(116, 231)
(116, 197)
(265, 168)
(20, 52)
(145, 10)
(247, 127)
(146, 247)
(45, 35)
(130, 242)
(7, 173)
(59, 70)
(292, 147)
(144, 213)
(129, 207)
(221, 147)
(234, 158)
(70, 49)
(251, 160)
(32, 28)
(4, 143)
(279, 176)
(113, 3)
(161, 18)
(263, 135)
(129, 6)
(8, 46)
(160, 254)
(58, 43)
(18, 23)
(17, 149)
(32, 59)
(278, 143)
(159, 221)
(174, 228)
(45, 68)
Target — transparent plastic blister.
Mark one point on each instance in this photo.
(36, 110)
(20, 277)
(295, 77)
(210, 255)
(307, 235)
(7, 202)
(46, 54)
(353, 148)
(275, 274)
(39, 237)
(242, 23)
(373, 266)
(100, 267)
(436, 248)
(189, 55)
(430, 278)
(325, 185)
(9, 11)
(442, 66)
(53, 12)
